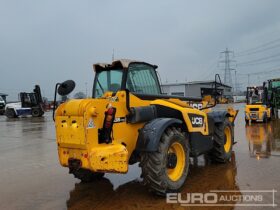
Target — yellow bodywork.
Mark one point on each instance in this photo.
(77, 123)
(223, 100)
(256, 112)
(211, 99)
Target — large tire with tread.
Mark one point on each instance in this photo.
(86, 175)
(223, 141)
(166, 169)
(10, 113)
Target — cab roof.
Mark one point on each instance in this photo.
(274, 80)
(122, 63)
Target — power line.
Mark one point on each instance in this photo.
(264, 74)
(259, 59)
(258, 47)
(258, 51)
(210, 69)
(258, 63)
(261, 72)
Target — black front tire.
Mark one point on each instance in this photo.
(86, 175)
(155, 165)
(220, 153)
(10, 113)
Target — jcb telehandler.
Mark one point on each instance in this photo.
(129, 120)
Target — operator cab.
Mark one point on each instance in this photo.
(137, 77)
(255, 95)
(31, 99)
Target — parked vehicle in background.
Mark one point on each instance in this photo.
(273, 87)
(30, 104)
(2, 105)
(257, 108)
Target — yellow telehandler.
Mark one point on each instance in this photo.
(129, 120)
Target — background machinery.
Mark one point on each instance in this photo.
(30, 104)
(273, 89)
(215, 95)
(256, 108)
(2, 105)
(129, 120)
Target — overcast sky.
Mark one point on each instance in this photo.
(44, 42)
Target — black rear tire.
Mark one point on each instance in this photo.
(36, 112)
(223, 141)
(166, 169)
(86, 175)
(10, 113)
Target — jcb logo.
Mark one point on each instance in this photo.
(197, 121)
(197, 106)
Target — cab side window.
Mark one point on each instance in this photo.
(142, 79)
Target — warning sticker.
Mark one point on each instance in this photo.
(90, 123)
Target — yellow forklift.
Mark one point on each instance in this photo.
(257, 109)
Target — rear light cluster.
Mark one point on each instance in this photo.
(109, 117)
(105, 132)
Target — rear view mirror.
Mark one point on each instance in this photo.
(62, 89)
(66, 87)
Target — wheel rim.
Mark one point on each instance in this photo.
(227, 143)
(175, 173)
(36, 113)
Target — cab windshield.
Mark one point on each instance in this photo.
(275, 84)
(109, 80)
